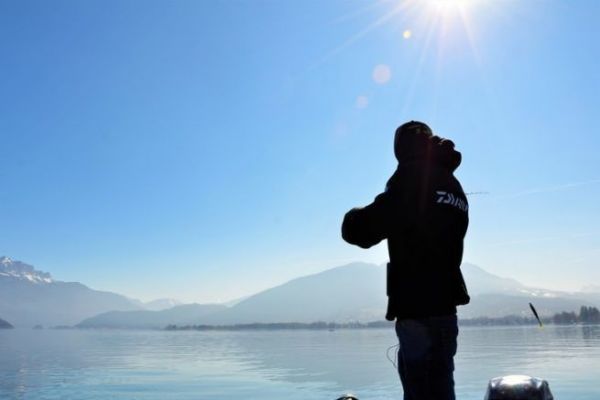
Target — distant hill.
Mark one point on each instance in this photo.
(29, 297)
(161, 304)
(357, 292)
(353, 292)
(496, 305)
(5, 325)
(493, 296)
(187, 314)
(345, 293)
(480, 281)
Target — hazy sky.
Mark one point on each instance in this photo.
(205, 150)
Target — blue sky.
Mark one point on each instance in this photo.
(207, 150)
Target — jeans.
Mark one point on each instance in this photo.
(426, 357)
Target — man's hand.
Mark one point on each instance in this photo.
(367, 226)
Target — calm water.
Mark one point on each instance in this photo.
(51, 364)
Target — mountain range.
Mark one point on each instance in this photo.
(30, 297)
(353, 292)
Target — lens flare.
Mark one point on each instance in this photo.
(382, 74)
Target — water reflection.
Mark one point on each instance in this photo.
(343, 359)
(591, 334)
(276, 364)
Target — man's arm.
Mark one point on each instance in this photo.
(367, 226)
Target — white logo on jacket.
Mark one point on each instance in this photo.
(452, 199)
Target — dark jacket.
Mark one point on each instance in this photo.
(423, 213)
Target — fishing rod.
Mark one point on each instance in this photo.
(536, 315)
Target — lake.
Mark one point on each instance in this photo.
(292, 364)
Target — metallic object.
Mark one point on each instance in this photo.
(518, 387)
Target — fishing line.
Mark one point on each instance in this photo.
(395, 360)
(476, 193)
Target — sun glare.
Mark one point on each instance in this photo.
(445, 4)
(438, 29)
(448, 9)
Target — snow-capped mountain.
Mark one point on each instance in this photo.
(20, 270)
(29, 297)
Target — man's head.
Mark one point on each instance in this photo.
(411, 140)
(415, 141)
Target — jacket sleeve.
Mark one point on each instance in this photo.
(367, 226)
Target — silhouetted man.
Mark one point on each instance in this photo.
(423, 213)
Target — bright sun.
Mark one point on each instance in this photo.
(449, 6)
(432, 23)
